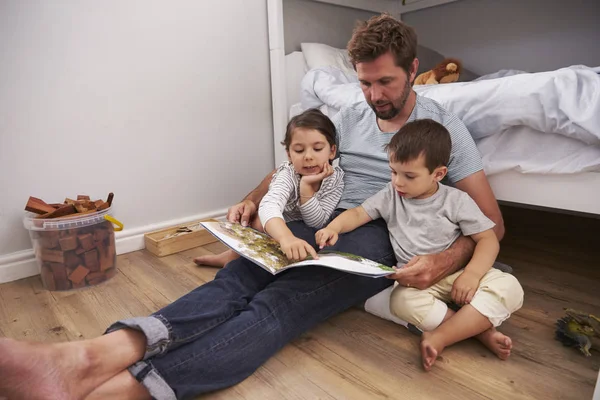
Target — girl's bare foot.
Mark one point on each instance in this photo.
(431, 348)
(216, 260)
(497, 342)
(35, 371)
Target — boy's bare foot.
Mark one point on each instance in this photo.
(35, 371)
(431, 348)
(497, 342)
(216, 260)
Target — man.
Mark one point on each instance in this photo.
(220, 333)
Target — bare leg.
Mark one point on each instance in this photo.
(217, 260)
(65, 371)
(120, 387)
(466, 323)
(220, 260)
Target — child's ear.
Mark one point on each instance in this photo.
(439, 173)
(333, 151)
(288, 154)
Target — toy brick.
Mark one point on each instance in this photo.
(71, 259)
(91, 260)
(100, 234)
(38, 206)
(68, 242)
(60, 276)
(80, 251)
(103, 206)
(60, 212)
(83, 197)
(52, 256)
(48, 277)
(87, 241)
(94, 278)
(48, 240)
(79, 274)
(109, 273)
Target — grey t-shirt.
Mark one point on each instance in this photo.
(365, 163)
(426, 226)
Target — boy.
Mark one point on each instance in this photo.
(425, 217)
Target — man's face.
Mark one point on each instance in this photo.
(385, 85)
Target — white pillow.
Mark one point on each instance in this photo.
(321, 55)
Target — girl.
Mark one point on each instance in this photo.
(307, 187)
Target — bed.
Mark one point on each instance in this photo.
(547, 163)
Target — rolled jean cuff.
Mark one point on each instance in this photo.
(155, 328)
(148, 376)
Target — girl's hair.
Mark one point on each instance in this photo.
(310, 119)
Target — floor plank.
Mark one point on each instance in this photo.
(356, 355)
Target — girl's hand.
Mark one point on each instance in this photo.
(464, 288)
(326, 237)
(313, 179)
(297, 249)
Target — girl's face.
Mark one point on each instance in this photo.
(309, 151)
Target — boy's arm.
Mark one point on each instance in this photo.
(486, 251)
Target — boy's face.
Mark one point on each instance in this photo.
(412, 179)
(309, 151)
(385, 85)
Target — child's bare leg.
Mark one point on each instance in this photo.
(466, 323)
(120, 387)
(220, 260)
(64, 371)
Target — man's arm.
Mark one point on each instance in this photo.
(478, 187)
(244, 210)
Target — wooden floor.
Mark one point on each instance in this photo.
(355, 355)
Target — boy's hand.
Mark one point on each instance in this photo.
(326, 237)
(464, 288)
(297, 249)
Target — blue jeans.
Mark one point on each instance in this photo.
(220, 333)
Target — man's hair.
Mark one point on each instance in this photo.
(310, 119)
(379, 35)
(424, 136)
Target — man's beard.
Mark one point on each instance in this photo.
(395, 109)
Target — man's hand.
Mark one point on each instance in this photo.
(422, 272)
(296, 249)
(464, 288)
(242, 212)
(326, 237)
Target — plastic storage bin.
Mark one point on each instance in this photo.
(75, 251)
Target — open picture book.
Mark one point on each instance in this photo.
(264, 251)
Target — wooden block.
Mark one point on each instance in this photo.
(38, 206)
(102, 206)
(52, 256)
(79, 274)
(157, 244)
(48, 239)
(110, 273)
(109, 200)
(91, 260)
(98, 203)
(100, 234)
(80, 251)
(83, 197)
(79, 285)
(71, 260)
(107, 257)
(60, 212)
(86, 241)
(60, 276)
(94, 278)
(48, 277)
(68, 243)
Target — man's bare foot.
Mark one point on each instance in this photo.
(431, 348)
(497, 342)
(36, 371)
(216, 260)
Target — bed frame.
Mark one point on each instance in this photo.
(577, 193)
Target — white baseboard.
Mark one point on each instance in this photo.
(22, 264)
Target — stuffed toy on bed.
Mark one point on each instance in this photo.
(447, 71)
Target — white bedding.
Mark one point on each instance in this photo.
(534, 123)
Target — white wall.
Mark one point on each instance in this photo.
(167, 104)
(532, 35)
(309, 21)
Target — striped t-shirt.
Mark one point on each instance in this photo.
(363, 158)
(283, 198)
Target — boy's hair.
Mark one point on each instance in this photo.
(379, 35)
(423, 136)
(310, 119)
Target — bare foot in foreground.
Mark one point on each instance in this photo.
(216, 260)
(36, 371)
(431, 348)
(497, 342)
